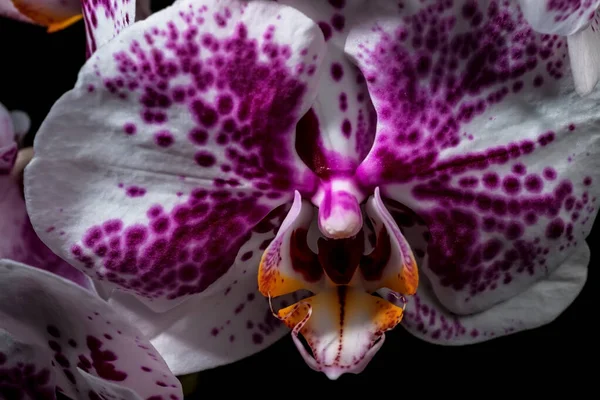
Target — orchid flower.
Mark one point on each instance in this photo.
(580, 22)
(219, 149)
(59, 14)
(56, 333)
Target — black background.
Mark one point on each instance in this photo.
(36, 68)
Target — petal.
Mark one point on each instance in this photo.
(340, 128)
(288, 264)
(8, 146)
(25, 371)
(394, 268)
(170, 160)
(53, 14)
(81, 333)
(21, 123)
(104, 20)
(558, 17)
(481, 133)
(8, 10)
(344, 328)
(584, 53)
(206, 332)
(19, 241)
(538, 305)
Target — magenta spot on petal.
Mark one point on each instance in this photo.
(163, 139)
(130, 129)
(257, 338)
(205, 159)
(337, 72)
(326, 29)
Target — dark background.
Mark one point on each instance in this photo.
(36, 68)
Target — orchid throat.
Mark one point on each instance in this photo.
(343, 257)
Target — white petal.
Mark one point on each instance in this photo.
(176, 141)
(80, 332)
(206, 332)
(584, 54)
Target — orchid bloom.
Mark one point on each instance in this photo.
(579, 21)
(59, 14)
(219, 149)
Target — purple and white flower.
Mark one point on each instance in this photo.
(219, 149)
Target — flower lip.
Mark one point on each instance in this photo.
(342, 323)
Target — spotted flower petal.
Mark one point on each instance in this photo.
(25, 371)
(86, 347)
(205, 332)
(339, 129)
(481, 133)
(53, 14)
(343, 326)
(105, 19)
(538, 305)
(177, 139)
(584, 53)
(559, 17)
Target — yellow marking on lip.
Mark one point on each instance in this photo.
(384, 315)
(294, 314)
(271, 282)
(406, 281)
(387, 315)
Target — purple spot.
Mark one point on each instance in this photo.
(555, 229)
(130, 128)
(337, 71)
(164, 139)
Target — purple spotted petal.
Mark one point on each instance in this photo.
(342, 119)
(559, 17)
(206, 332)
(89, 349)
(584, 53)
(25, 371)
(481, 133)
(105, 19)
(177, 140)
(19, 242)
(537, 305)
